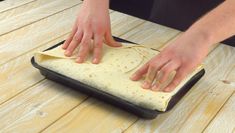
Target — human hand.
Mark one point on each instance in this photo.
(182, 55)
(93, 22)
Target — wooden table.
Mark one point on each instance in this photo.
(31, 103)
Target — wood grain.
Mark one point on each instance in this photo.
(119, 22)
(20, 41)
(9, 25)
(194, 112)
(224, 121)
(22, 8)
(92, 116)
(11, 4)
(151, 34)
(19, 72)
(41, 104)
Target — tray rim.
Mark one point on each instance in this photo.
(142, 112)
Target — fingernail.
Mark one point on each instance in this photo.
(79, 60)
(155, 88)
(133, 77)
(67, 53)
(167, 90)
(146, 85)
(63, 46)
(118, 44)
(95, 61)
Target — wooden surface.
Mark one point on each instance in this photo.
(31, 103)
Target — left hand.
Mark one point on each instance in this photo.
(182, 55)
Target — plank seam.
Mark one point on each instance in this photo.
(218, 111)
(133, 28)
(59, 118)
(36, 47)
(137, 119)
(31, 111)
(198, 104)
(39, 19)
(22, 91)
(17, 6)
(31, 50)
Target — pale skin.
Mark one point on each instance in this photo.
(182, 55)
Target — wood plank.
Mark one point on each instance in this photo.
(13, 72)
(224, 121)
(93, 116)
(11, 4)
(213, 102)
(9, 25)
(204, 100)
(22, 8)
(37, 104)
(20, 41)
(152, 35)
(119, 22)
(19, 72)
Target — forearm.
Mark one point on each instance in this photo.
(217, 25)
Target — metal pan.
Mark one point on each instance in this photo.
(114, 100)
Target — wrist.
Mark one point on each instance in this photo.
(200, 36)
(97, 3)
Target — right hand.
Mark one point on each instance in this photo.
(93, 22)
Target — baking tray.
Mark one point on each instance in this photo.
(114, 100)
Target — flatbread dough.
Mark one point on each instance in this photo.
(112, 73)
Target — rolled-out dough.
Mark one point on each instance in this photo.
(112, 74)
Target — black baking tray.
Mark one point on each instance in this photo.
(114, 100)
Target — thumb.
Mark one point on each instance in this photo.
(110, 41)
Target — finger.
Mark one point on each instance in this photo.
(156, 64)
(110, 41)
(180, 75)
(151, 74)
(140, 72)
(164, 73)
(84, 47)
(70, 38)
(156, 86)
(167, 69)
(98, 41)
(74, 43)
